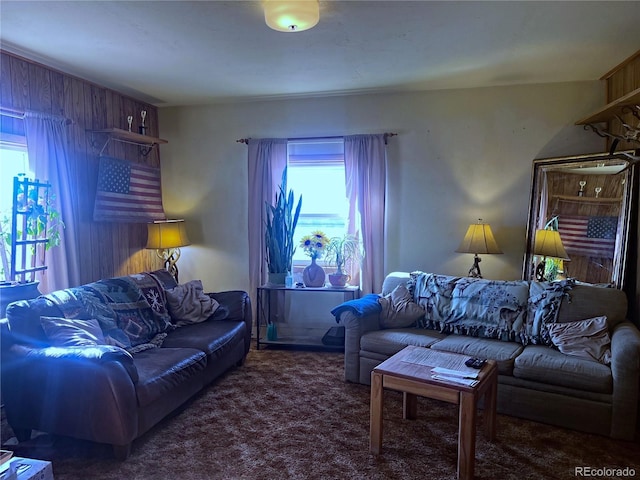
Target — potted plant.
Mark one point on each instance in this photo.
(314, 245)
(280, 226)
(32, 227)
(342, 251)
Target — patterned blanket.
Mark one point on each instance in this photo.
(472, 306)
(131, 310)
(506, 310)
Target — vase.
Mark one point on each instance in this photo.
(313, 275)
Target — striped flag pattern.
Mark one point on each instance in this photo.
(588, 236)
(127, 192)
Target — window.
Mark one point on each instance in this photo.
(316, 171)
(13, 162)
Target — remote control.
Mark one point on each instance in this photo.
(475, 362)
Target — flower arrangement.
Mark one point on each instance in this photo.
(315, 244)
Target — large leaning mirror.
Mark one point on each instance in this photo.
(579, 219)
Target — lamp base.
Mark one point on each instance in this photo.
(474, 271)
(540, 271)
(170, 257)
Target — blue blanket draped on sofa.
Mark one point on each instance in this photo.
(360, 307)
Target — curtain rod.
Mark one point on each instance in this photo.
(386, 135)
(16, 113)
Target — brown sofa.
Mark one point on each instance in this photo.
(107, 393)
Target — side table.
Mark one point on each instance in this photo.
(409, 372)
(300, 315)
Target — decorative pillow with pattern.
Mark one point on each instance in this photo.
(134, 315)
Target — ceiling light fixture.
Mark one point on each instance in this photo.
(291, 15)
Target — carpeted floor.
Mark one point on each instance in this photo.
(289, 415)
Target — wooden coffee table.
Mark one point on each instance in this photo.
(409, 371)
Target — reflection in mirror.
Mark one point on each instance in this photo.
(587, 200)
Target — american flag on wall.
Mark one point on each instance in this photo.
(127, 192)
(588, 236)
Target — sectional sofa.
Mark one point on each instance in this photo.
(525, 326)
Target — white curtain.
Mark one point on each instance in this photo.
(49, 160)
(366, 173)
(267, 159)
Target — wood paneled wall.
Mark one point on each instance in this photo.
(106, 249)
(621, 80)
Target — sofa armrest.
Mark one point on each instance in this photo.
(96, 355)
(625, 369)
(355, 327)
(73, 391)
(234, 305)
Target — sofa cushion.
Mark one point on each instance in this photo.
(161, 370)
(391, 341)
(398, 309)
(504, 353)
(543, 364)
(585, 301)
(187, 303)
(214, 338)
(584, 338)
(65, 332)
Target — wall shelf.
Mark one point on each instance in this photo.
(117, 134)
(627, 104)
(575, 198)
(612, 109)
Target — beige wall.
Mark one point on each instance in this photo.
(459, 155)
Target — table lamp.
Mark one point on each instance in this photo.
(478, 239)
(166, 237)
(547, 244)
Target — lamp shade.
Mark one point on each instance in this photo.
(291, 15)
(549, 244)
(167, 234)
(479, 239)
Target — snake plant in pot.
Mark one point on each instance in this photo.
(280, 226)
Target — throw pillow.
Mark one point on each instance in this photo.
(585, 338)
(65, 332)
(189, 304)
(398, 309)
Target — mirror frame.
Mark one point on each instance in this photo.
(628, 205)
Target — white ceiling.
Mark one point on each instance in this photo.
(185, 52)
